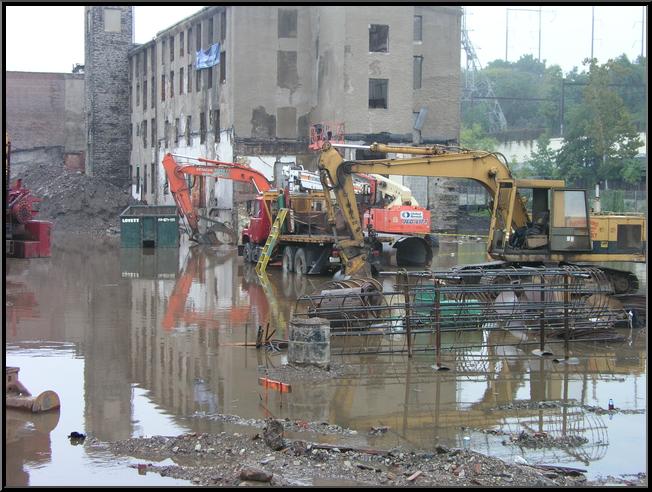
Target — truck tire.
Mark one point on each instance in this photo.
(301, 262)
(288, 258)
(248, 252)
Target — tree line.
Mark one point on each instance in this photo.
(598, 110)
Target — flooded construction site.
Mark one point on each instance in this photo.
(169, 342)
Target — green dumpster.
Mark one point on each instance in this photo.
(149, 226)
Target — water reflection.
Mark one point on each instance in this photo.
(164, 334)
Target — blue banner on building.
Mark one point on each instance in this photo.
(208, 58)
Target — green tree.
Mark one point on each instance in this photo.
(542, 162)
(600, 134)
(476, 138)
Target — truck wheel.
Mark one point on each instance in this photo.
(248, 250)
(301, 262)
(288, 259)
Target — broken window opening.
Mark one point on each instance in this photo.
(379, 38)
(418, 23)
(417, 71)
(378, 89)
(188, 128)
(223, 67)
(181, 80)
(287, 23)
(171, 84)
(162, 87)
(189, 76)
(202, 128)
(181, 34)
(172, 48)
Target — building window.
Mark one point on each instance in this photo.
(162, 87)
(171, 83)
(137, 65)
(189, 78)
(198, 81)
(210, 31)
(417, 72)
(378, 93)
(163, 52)
(144, 133)
(188, 128)
(137, 94)
(153, 125)
(131, 99)
(144, 179)
(153, 176)
(379, 38)
(131, 134)
(189, 38)
(418, 23)
(181, 80)
(286, 69)
(216, 124)
(287, 23)
(223, 67)
(198, 36)
(112, 20)
(181, 34)
(152, 57)
(145, 63)
(172, 48)
(131, 69)
(202, 127)
(166, 136)
(137, 179)
(176, 131)
(223, 25)
(209, 77)
(153, 91)
(144, 95)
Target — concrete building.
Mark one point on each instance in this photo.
(45, 119)
(282, 69)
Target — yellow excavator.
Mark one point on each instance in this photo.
(534, 222)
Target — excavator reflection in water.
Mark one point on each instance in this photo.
(180, 312)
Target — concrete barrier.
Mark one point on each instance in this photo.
(309, 342)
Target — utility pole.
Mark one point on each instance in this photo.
(506, 31)
(507, 11)
(592, 29)
(539, 34)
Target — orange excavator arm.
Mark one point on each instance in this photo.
(216, 169)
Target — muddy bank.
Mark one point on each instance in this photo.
(230, 459)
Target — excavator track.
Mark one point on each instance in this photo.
(622, 281)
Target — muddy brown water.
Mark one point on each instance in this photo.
(140, 344)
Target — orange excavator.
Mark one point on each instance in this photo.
(180, 188)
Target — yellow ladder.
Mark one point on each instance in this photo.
(261, 265)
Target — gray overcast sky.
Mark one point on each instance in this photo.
(565, 33)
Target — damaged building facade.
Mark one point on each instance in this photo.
(270, 72)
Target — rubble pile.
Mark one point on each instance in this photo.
(226, 459)
(75, 202)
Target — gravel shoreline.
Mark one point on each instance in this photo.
(239, 459)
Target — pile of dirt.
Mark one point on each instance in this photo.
(75, 202)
